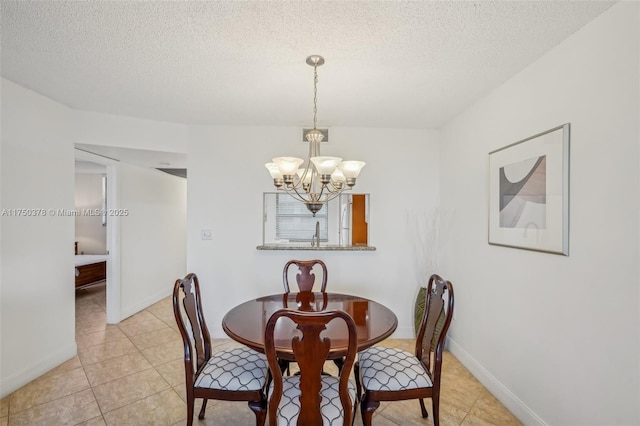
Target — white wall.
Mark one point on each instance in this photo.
(227, 178)
(37, 293)
(115, 130)
(90, 235)
(37, 312)
(555, 338)
(152, 243)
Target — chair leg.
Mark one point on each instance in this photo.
(425, 413)
(190, 403)
(356, 375)
(356, 406)
(284, 367)
(435, 404)
(260, 410)
(204, 407)
(367, 408)
(339, 362)
(269, 379)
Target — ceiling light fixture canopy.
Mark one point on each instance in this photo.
(322, 178)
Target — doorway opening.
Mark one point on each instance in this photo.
(97, 244)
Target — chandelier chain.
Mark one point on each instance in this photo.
(315, 95)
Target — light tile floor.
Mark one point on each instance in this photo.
(133, 374)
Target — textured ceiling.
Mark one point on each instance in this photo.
(389, 64)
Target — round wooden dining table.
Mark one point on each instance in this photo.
(246, 322)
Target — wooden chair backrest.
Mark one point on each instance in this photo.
(187, 309)
(436, 318)
(305, 277)
(310, 352)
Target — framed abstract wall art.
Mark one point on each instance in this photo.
(529, 193)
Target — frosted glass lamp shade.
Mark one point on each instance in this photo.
(337, 176)
(288, 166)
(351, 169)
(273, 170)
(325, 165)
(307, 178)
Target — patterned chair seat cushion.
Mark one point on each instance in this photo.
(236, 369)
(390, 369)
(330, 406)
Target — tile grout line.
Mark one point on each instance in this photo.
(157, 312)
(9, 412)
(97, 403)
(467, 413)
(152, 367)
(140, 399)
(92, 388)
(88, 381)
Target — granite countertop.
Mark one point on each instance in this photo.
(308, 247)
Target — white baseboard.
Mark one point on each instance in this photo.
(404, 333)
(217, 332)
(500, 391)
(20, 378)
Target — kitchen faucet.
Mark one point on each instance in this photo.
(315, 240)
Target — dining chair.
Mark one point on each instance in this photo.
(238, 374)
(389, 374)
(312, 398)
(305, 277)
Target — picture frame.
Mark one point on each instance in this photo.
(529, 193)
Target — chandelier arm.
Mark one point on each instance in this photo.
(309, 167)
(331, 193)
(294, 193)
(305, 198)
(333, 189)
(297, 183)
(334, 194)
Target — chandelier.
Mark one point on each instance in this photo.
(321, 179)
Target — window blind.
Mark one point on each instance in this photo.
(294, 222)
